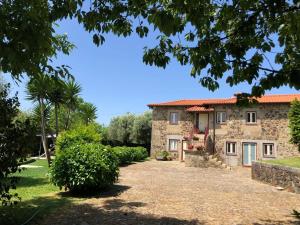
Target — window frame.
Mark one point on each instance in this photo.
(169, 147)
(273, 150)
(170, 118)
(251, 117)
(235, 148)
(221, 121)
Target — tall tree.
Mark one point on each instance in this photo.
(72, 90)
(37, 91)
(255, 41)
(56, 97)
(120, 128)
(141, 129)
(88, 112)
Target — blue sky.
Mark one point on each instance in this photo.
(114, 78)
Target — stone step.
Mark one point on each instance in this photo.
(224, 165)
(213, 159)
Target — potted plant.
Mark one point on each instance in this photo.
(200, 148)
(162, 155)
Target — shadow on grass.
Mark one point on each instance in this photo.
(41, 206)
(30, 181)
(30, 210)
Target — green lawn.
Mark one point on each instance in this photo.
(292, 162)
(37, 193)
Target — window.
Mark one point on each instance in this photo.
(231, 148)
(269, 150)
(251, 117)
(173, 144)
(221, 117)
(174, 118)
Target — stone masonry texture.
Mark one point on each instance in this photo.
(277, 175)
(271, 127)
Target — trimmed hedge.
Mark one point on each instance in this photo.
(130, 154)
(85, 168)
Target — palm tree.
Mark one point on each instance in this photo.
(88, 112)
(37, 91)
(72, 90)
(57, 97)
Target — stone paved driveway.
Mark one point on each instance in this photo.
(166, 193)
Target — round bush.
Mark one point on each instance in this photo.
(79, 135)
(84, 168)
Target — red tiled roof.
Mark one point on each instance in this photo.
(287, 98)
(199, 109)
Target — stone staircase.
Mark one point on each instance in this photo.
(214, 160)
(198, 141)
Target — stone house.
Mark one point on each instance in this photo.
(236, 135)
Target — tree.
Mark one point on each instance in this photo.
(56, 97)
(129, 129)
(120, 128)
(141, 129)
(13, 137)
(294, 122)
(88, 112)
(243, 41)
(82, 113)
(32, 128)
(37, 91)
(72, 90)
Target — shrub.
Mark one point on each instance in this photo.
(129, 154)
(162, 155)
(140, 153)
(80, 135)
(85, 167)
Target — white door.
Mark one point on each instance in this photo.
(203, 122)
(184, 147)
(249, 153)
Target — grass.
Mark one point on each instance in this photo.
(292, 162)
(35, 181)
(38, 196)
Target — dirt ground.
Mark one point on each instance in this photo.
(165, 193)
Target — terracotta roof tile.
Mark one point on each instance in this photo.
(224, 101)
(199, 109)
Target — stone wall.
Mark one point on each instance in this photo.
(276, 175)
(271, 127)
(195, 159)
(162, 130)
